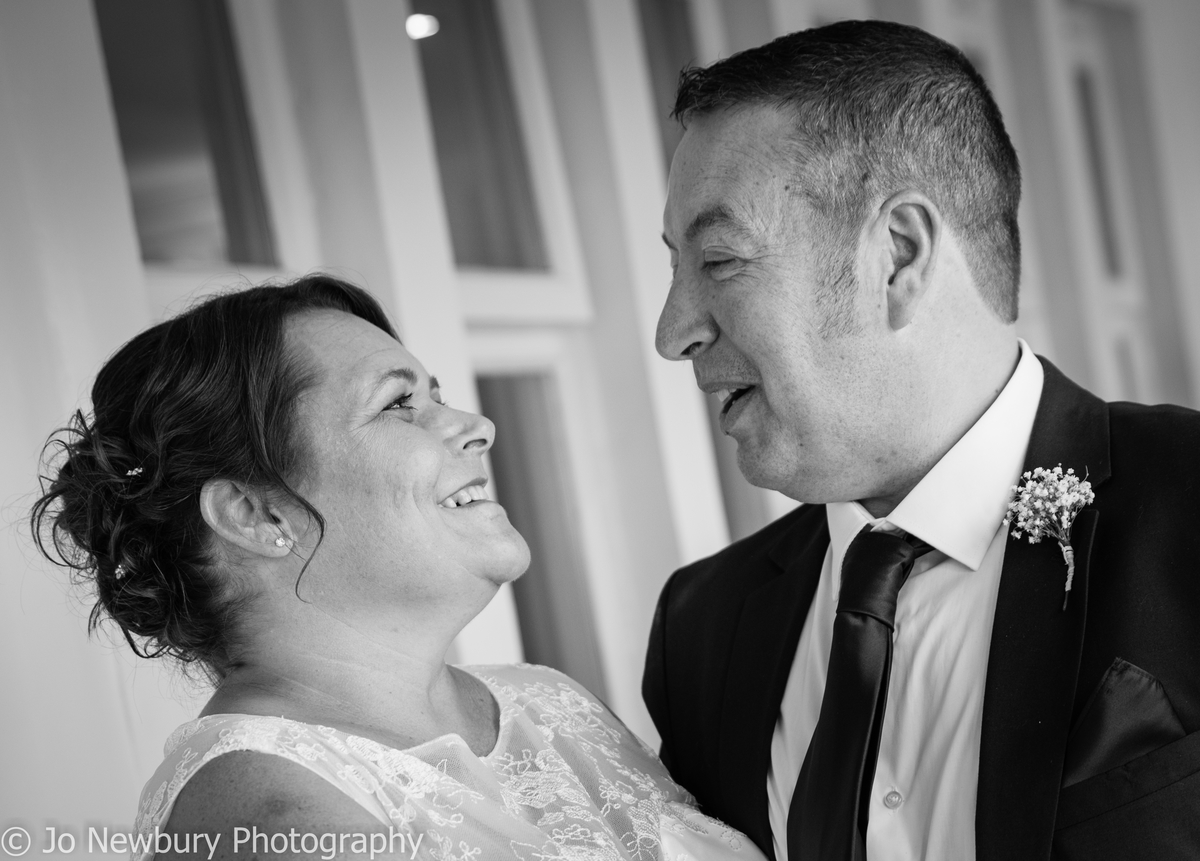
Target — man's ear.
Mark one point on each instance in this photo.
(245, 518)
(914, 232)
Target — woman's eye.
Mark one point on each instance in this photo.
(404, 402)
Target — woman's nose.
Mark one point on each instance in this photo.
(468, 432)
(685, 329)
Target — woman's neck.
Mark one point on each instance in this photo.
(397, 695)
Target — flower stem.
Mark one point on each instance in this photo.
(1069, 557)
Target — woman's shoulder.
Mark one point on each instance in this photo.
(243, 797)
(197, 743)
(244, 770)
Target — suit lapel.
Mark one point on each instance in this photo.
(764, 645)
(1033, 664)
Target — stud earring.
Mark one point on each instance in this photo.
(281, 542)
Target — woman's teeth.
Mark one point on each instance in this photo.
(470, 493)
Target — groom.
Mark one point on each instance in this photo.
(885, 672)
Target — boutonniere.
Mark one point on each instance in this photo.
(1044, 505)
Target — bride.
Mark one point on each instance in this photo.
(272, 487)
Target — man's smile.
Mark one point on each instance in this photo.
(728, 396)
(734, 401)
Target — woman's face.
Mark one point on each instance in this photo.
(398, 476)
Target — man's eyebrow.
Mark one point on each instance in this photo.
(434, 385)
(407, 374)
(715, 216)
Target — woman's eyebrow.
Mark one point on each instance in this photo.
(407, 374)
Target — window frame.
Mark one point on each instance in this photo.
(1116, 305)
(558, 294)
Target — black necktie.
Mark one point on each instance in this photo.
(828, 817)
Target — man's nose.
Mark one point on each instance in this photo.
(685, 328)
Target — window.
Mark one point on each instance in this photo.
(494, 220)
(554, 607)
(1098, 168)
(667, 34)
(185, 134)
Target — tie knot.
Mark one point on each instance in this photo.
(875, 567)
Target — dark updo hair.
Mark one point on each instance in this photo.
(209, 393)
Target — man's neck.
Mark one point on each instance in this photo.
(987, 387)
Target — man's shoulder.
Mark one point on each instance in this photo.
(1143, 446)
(744, 564)
(1132, 423)
(1155, 453)
(1129, 424)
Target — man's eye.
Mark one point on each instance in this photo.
(717, 265)
(718, 256)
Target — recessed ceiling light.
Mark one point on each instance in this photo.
(421, 26)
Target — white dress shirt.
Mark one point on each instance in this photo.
(923, 797)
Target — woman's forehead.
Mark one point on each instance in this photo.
(349, 351)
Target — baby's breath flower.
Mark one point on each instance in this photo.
(1045, 506)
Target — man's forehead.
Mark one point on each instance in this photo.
(718, 216)
(729, 168)
(735, 206)
(726, 139)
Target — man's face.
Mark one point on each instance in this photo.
(803, 402)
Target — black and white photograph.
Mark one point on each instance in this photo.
(600, 430)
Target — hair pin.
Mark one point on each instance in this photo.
(121, 571)
(137, 470)
(281, 541)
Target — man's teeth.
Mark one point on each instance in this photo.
(727, 395)
(470, 493)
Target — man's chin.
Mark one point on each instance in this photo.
(790, 479)
(761, 472)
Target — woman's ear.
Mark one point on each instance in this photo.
(244, 518)
(912, 239)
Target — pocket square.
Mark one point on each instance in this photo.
(1127, 716)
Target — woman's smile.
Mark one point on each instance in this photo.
(472, 492)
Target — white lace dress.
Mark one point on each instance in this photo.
(566, 780)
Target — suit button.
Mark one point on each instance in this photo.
(893, 800)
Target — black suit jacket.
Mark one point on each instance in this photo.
(727, 627)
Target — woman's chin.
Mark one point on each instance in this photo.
(511, 562)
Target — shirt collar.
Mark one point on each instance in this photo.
(959, 504)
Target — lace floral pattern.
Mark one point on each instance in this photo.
(566, 782)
